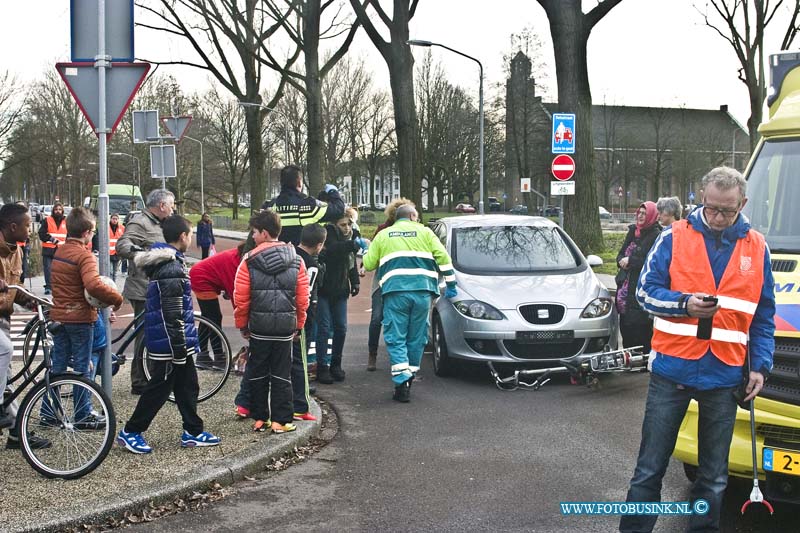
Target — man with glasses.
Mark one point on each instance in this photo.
(709, 284)
(141, 233)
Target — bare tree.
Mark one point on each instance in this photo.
(742, 23)
(376, 139)
(663, 138)
(12, 103)
(400, 61)
(570, 28)
(227, 37)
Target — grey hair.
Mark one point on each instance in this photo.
(725, 179)
(405, 211)
(671, 205)
(156, 196)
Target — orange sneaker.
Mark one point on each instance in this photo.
(261, 426)
(304, 416)
(277, 427)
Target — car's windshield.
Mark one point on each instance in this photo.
(512, 249)
(122, 204)
(773, 187)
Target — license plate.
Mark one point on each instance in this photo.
(544, 337)
(782, 461)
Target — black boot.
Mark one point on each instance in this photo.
(324, 374)
(402, 392)
(6, 420)
(336, 372)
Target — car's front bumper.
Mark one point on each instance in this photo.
(496, 340)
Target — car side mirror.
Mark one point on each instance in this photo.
(593, 260)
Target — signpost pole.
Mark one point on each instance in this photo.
(102, 63)
(561, 212)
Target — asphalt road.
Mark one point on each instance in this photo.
(462, 456)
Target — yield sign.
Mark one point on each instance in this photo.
(122, 82)
(563, 167)
(177, 126)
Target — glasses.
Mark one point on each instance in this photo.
(714, 211)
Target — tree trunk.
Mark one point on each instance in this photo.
(570, 32)
(401, 76)
(311, 21)
(255, 151)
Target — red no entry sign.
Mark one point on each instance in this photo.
(563, 167)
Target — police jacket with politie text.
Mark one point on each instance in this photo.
(656, 296)
(169, 330)
(297, 210)
(270, 295)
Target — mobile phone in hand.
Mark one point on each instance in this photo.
(704, 325)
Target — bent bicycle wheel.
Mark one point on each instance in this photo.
(212, 360)
(75, 417)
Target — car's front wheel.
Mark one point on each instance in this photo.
(442, 362)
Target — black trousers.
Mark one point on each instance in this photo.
(635, 331)
(299, 376)
(211, 310)
(204, 251)
(267, 379)
(138, 378)
(168, 378)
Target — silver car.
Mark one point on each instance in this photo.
(526, 295)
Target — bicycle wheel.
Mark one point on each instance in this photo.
(212, 360)
(76, 416)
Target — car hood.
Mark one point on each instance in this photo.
(574, 290)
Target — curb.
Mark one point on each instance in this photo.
(226, 471)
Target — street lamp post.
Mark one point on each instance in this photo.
(417, 42)
(138, 168)
(202, 195)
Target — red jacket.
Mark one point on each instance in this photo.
(215, 274)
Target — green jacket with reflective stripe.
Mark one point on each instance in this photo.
(409, 257)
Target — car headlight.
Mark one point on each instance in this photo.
(476, 309)
(597, 308)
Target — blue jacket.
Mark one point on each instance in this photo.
(655, 296)
(205, 234)
(169, 331)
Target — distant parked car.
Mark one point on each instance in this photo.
(526, 295)
(519, 210)
(494, 205)
(363, 207)
(380, 206)
(552, 211)
(465, 208)
(604, 214)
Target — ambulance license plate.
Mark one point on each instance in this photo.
(782, 461)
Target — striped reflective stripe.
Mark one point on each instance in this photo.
(395, 255)
(446, 267)
(737, 304)
(449, 278)
(414, 369)
(408, 272)
(399, 368)
(690, 330)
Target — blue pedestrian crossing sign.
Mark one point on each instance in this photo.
(563, 133)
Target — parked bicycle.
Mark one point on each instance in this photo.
(72, 412)
(213, 359)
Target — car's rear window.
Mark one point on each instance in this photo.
(511, 249)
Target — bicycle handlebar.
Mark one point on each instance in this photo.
(39, 300)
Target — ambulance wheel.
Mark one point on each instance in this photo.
(690, 471)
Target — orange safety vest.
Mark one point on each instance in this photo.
(59, 233)
(113, 237)
(739, 292)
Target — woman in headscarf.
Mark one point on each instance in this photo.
(635, 324)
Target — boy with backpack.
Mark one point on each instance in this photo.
(270, 299)
(171, 340)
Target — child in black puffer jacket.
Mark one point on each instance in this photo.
(171, 340)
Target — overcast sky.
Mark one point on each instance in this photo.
(645, 52)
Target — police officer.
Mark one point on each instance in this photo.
(297, 209)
